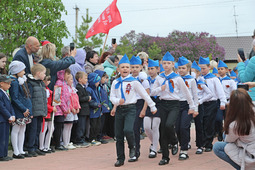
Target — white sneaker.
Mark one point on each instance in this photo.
(70, 144)
(96, 143)
(70, 147)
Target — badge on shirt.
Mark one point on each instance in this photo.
(128, 88)
(199, 87)
(227, 86)
(172, 82)
(187, 84)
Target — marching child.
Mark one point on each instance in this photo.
(204, 93)
(39, 106)
(123, 95)
(83, 116)
(183, 121)
(152, 121)
(22, 106)
(141, 106)
(44, 138)
(210, 105)
(228, 86)
(63, 109)
(7, 116)
(71, 117)
(95, 108)
(167, 86)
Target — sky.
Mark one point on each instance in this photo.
(160, 17)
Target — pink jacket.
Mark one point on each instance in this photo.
(74, 98)
(63, 108)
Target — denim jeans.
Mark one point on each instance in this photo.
(218, 149)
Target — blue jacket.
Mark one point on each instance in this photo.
(22, 56)
(95, 97)
(20, 102)
(55, 66)
(103, 94)
(6, 110)
(246, 73)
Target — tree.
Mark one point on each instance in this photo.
(93, 42)
(154, 52)
(187, 44)
(125, 48)
(21, 19)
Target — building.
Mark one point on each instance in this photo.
(231, 45)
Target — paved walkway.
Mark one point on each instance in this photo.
(104, 157)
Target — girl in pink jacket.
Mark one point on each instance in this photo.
(63, 109)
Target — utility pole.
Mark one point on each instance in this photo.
(76, 21)
(235, 20)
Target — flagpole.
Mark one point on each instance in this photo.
(105, 43)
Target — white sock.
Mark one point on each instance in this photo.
(21, 139)
(48, 135)
(66, 135)
(14, 139)
(42, 136)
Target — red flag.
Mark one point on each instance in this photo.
(107, 20)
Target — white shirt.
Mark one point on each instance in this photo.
(31, 61)
(151, 85)
(179, 85)
(228, 86)
(192, 86)
(146, 85)
(130, 89)
(5, 93)
(204, 94)
(217, 91)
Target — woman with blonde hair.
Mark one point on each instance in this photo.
(48, 54)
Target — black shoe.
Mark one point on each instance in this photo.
(4, 159)
(61, 148)
(160, 151)
(208, 149)
(27, 155)
(183, 156)
(9, 158)
(163, 162)
(52, 149)
(133, 159)
(45, 151)
(132, 152)
(175, 149)
(32, 153)
(153, 154)
(103, 141)
(40, 153)
(19, 156)
(220, 138)
(119, 163)
(199, 151)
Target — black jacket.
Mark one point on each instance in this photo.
(83, 99)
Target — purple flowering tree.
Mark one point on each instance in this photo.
(187, 44)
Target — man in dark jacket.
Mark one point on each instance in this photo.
(26, 54)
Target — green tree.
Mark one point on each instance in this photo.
(154, 52)
(21, 19)
(93, 42)
(125, 47)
